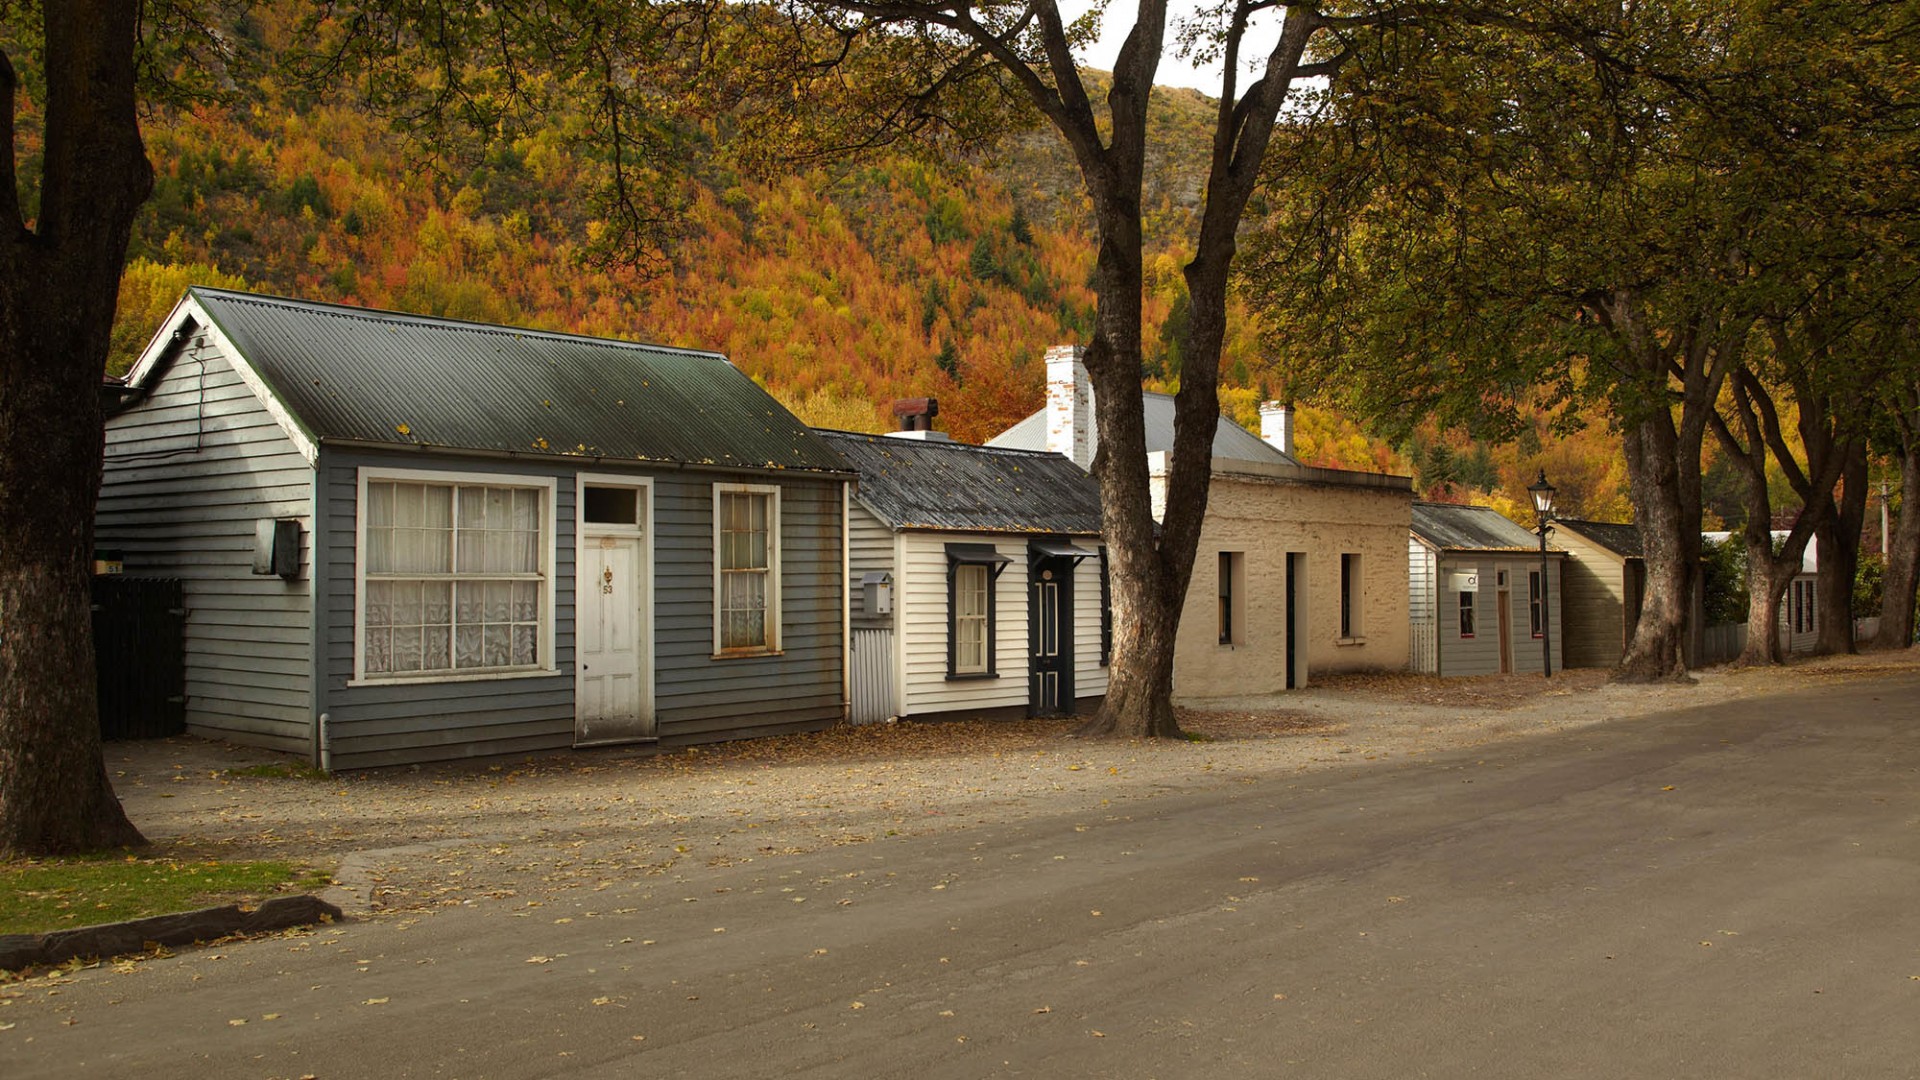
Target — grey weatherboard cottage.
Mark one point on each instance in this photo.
(406, 539)
(1476, 600)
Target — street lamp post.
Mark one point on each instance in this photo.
(1542, 493)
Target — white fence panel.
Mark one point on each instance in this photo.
(872, 664)
(1424, 647)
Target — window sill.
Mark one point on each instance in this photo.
(742, 654)
(974, 676)
(449, 677)
(1350, 641)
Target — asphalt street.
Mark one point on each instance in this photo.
(1729, 891)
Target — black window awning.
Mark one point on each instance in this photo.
(976, 555)
(1058, 549)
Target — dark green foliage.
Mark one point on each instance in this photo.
(305, 194)
(1725, 580)
(948, 360)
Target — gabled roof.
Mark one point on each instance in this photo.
(349, 375)
(1621, 539)
(920, 484)
(1451, 527)
(1230, 440)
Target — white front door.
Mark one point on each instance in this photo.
(611, 699)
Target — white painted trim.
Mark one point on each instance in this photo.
(775, 542)
(471, 676)
(303, 439)
(900, 623)
(549, 554)
(144, 370)
(645, 486)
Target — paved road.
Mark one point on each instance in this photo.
(1726, 892)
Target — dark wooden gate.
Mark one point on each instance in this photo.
(139, 648)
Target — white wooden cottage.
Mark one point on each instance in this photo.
(978, 580)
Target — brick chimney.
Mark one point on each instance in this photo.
(1276, 426)
(1070, 405)
(915, 416)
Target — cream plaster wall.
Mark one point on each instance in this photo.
(1266, 512)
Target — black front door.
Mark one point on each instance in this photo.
(1050, 636)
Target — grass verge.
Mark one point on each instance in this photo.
(41, 895)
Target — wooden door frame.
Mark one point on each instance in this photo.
(648, 602)
(1503, 600)
(1063, 568)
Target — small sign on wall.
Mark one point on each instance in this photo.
(1463, 581)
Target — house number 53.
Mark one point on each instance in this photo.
(606, 581)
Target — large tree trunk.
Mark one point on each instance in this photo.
(1151, 574)
(1839, 552)
(1670, 537)
(1903, 559)
(58, 284)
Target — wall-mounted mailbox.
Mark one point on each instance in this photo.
(876, 587)
(108, 562)
(276, 547)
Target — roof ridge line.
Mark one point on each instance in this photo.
(373, 314)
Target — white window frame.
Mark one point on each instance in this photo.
(774, 546)
(984, 618)
(548, 548)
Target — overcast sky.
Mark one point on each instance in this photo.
(1173, 70)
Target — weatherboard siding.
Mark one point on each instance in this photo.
(405, 723)
(1480, 654)
(189, 471)
(697, 697)
(922, 639)
(1595, 601)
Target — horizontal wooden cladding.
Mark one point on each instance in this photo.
(687, 733)
(455, 744)
(189, 471)
(285, 738)
(697, 698)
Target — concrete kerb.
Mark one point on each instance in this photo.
(18, 951)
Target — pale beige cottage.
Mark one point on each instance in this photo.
(1300, 570)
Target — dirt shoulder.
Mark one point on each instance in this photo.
(405, 842)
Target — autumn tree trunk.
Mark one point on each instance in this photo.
(59, 278)
(1666, 524)
(1839, 555)
(1903, 549)
(1769, 573)
(1663, 446)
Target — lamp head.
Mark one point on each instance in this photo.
(1542, 493)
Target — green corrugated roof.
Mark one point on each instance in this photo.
(364, 376)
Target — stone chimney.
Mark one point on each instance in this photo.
(1070, 405)
(1276, 426)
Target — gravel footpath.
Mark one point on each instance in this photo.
(404, 842)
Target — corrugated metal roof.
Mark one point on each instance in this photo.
(1451, 527)
(1230, 440)
(1621, 539)
(916, 484)
(360, 375)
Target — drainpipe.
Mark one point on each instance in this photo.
(326, 747)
